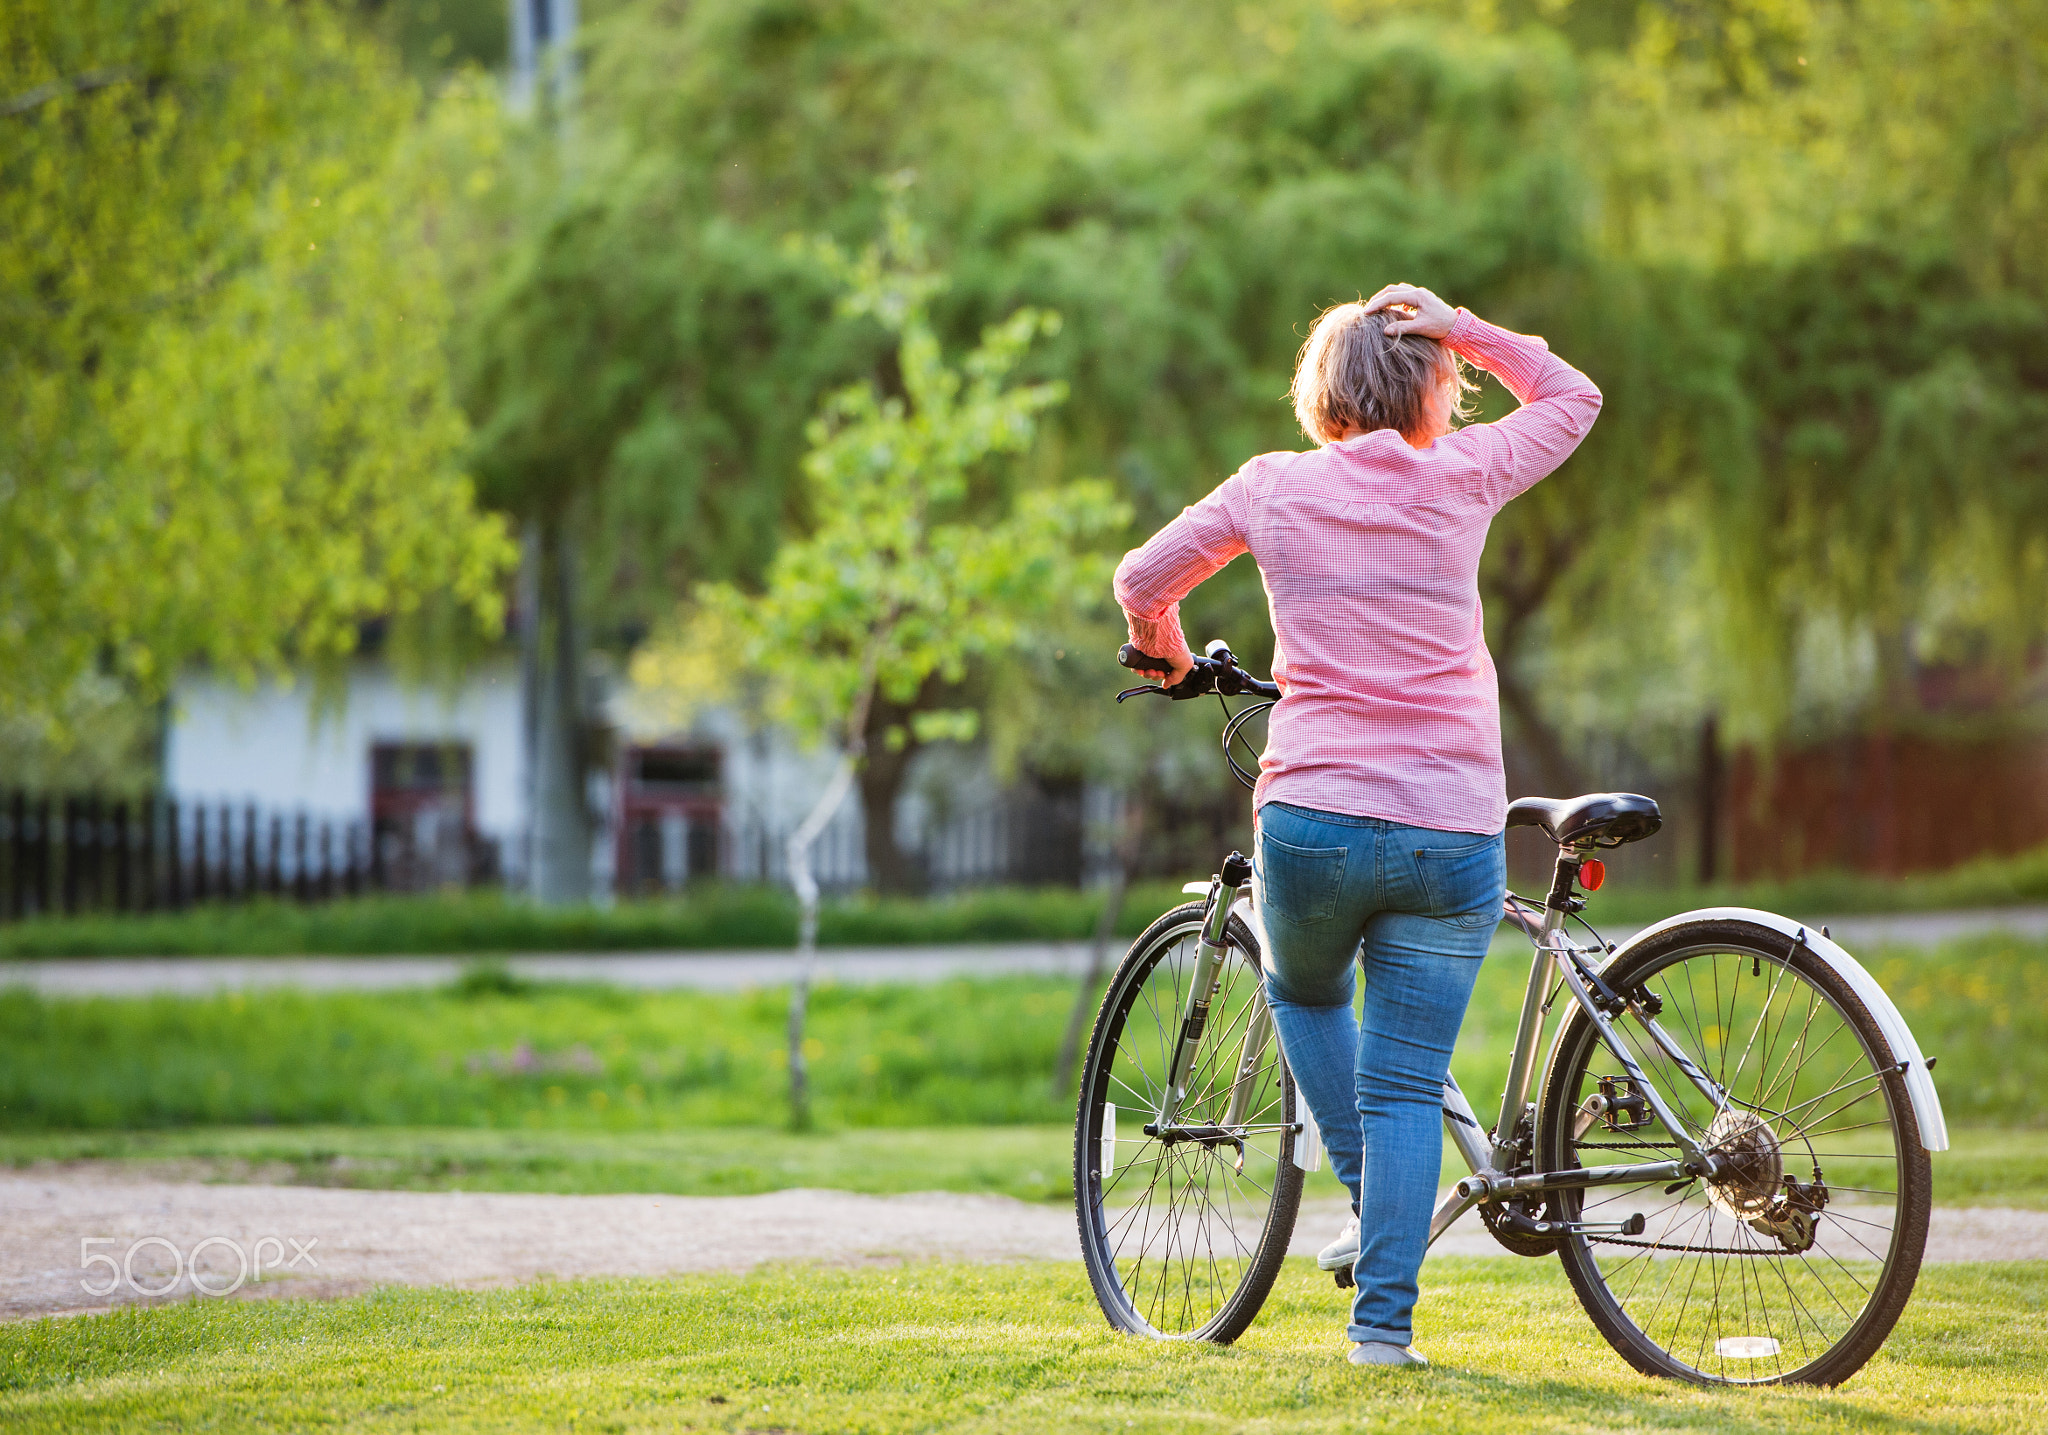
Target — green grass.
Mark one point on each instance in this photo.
(1984, 1167)
(1016, 1348)
(728, 917)
(554, 1057)
(1991, 1167)
(712, 918)
(589, 1058)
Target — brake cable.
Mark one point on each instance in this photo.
(1233, 729)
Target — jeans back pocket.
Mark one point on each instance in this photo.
(1465, 884)
(1300, 884)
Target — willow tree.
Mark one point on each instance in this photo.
(226, 431)
(1859, 188)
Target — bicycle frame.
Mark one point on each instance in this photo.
(1556, 956)
(1556, 953)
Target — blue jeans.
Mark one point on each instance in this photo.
(1417, 908)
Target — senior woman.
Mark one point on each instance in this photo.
(1381, 798)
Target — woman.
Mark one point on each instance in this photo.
(1381, 799)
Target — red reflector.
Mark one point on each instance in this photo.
(1592, 873)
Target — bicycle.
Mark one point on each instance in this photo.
(1727, 1146)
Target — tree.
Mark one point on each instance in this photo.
(1857, 190)
(921, 561)
(1183, 191)
(1186, 187)
(226, 431)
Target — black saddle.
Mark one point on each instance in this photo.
(1605, 819)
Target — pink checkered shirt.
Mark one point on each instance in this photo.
(1370, 554)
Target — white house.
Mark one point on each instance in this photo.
(438, 774)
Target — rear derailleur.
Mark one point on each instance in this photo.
(1793, 1215)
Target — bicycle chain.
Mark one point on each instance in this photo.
(1692, 1250)
(1628, 1146)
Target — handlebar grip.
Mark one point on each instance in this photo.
(1140, 662)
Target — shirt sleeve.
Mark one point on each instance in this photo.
(1152, 580)
(1559, 405)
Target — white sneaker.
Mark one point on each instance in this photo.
(1374, 1352)
(1341, 1252)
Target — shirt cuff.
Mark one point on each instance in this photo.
(1159, 637)
(1461, 327)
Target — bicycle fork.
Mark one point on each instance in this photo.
(1210, 955)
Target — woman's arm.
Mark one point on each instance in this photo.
(1152, 580)
(1559, 403)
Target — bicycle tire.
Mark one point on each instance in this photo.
(1190, 1291)
(1836, 1297)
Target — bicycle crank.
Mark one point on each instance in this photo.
(1520, 1224)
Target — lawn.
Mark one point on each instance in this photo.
(712, 918)
(588, 1058)
(1015, 1348)
(729, 917)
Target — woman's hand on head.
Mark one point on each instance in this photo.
(1411, 309)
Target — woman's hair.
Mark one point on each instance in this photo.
(1352, 374)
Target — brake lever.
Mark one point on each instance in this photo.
(1147, 688)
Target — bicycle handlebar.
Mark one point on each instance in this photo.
(1216, 673)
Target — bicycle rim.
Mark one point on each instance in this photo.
(1180, 1242)
(1792, 1265)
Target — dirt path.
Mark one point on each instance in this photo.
(314, 1241)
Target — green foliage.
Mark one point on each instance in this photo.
(729, 917)
(1859, 188)
(908, 572)
(1899, 413)
(957, 1052)
(932, 1347)
(226, 430)
(1666, 194)
(1798, 243)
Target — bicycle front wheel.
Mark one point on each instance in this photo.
(1791, 1264)
(1184, 1230)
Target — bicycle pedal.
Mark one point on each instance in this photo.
(1634, 1226)
(1344, 1278)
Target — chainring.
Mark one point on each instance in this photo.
(1516, 1241)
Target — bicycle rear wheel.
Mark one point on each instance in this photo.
(1183, 1236)
(1792, 1264)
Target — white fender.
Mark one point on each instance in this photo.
(1919, 1081)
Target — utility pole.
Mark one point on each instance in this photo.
(542, 36)
(552, 676)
